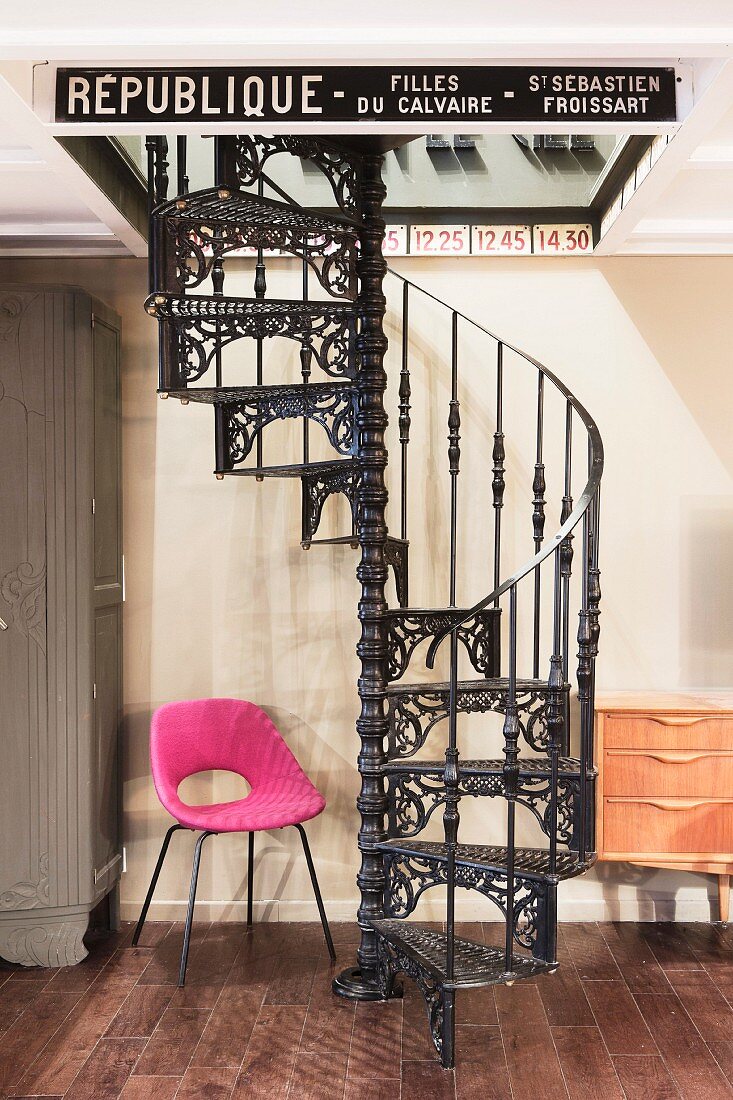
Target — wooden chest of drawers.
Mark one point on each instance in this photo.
(665, 782)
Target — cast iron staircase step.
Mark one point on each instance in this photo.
(416, 789)
(308, 469)
(349, 540)
(297, 392)
(475, 963)
(195, 328)
(224, 206)
(194, 234)
(243, 412)
(407, 627)
(468, 687)
(414, 709)
(396, 551)
(529, 863)
(537, 767)
(274, 312)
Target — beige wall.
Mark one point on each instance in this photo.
(222, 601)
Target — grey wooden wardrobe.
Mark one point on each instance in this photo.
(61, 612)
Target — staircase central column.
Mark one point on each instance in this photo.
(371, 344)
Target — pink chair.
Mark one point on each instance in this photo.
(228, 735)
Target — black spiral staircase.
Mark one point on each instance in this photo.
(337, 327)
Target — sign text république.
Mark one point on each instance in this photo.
(368, 93)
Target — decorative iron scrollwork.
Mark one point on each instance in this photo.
(318, 486)
(408, 876)
(202, 326)
(413, 796)
(413, 714)
(407, 629)
(207, 227)
(339, 168)
(392, 961)
(396, 555)
(330, 406)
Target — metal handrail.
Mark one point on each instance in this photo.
(584, 500)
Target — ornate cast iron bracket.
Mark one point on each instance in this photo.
(318, 486)
(396, 554)
(196, 233)
(330, 405)
(413, 796)
(391, 962)
(407, 629)
(408, 876)
(414, 711)
(341, 169)
(198, 327)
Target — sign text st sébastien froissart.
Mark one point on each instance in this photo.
(369, 94)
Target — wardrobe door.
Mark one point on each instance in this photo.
(107, 602)
(24, 735)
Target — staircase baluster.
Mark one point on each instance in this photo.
(153, 253)
(181, 149)
(587, 649)
(538, 516)
(451, 815)
(556, 711)
(404, 417)
(511, 777)
(305, 367)
(150, 142)
(260, 289)
(156, 148)
(566, 560)
(498, 455)
(454, 455)
(225, 162)
(161, 170)
(594, 599)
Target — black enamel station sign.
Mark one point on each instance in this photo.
(369, 94)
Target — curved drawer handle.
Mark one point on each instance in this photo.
(678, 756)
(673, 720)
(674, 803)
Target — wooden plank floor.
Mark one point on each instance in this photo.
(639, 1011)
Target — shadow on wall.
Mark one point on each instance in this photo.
(706, 592)
(676, 316)
(659, 894)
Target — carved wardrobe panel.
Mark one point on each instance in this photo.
(60, 611)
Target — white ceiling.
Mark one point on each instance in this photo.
(81, 28)
(49, 205)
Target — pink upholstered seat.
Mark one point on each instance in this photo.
(229, 735)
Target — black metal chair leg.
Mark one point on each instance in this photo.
(317, 892)
(154, 882)
(191, 903)
(250, 877)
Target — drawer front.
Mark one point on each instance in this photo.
(669, 731)
(664, 771)
(672, 826)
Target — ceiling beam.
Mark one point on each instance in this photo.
(28, 129)
(713, 96)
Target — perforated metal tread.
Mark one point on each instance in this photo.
(467, 685)
(344, 540)
(532, 863)
(218, 307)
(242, 207)
(230, 395)
(322, 469)
(475, 964)
(539, 766)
